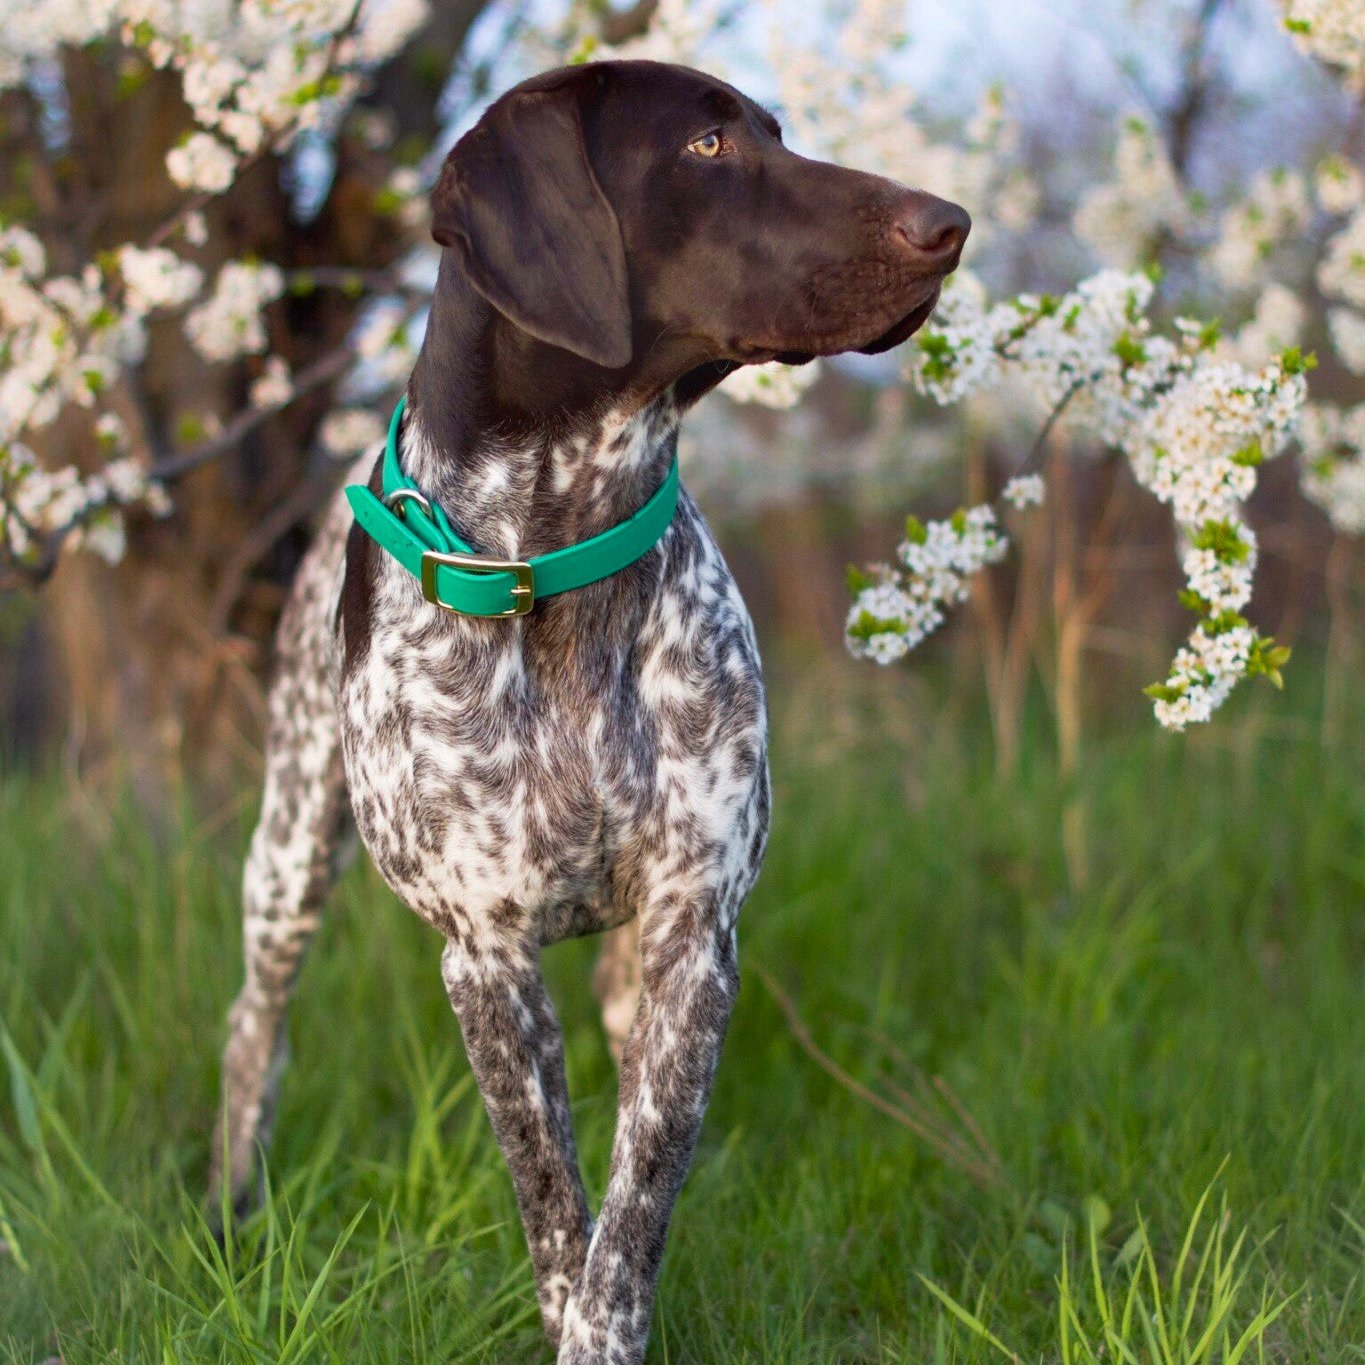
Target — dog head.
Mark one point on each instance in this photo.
(636, 213)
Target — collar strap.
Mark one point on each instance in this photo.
(417, 533)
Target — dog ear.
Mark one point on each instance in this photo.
(518, 200)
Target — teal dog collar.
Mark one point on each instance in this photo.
(417, 533)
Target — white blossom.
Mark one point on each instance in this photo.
(1333, 31)
(202, 162)
(1121, 220)
(1203, 675)
(1341, 273)
(157, 278)
(1194, 428)
(253, 73)
(349, 431)
(111, 432)
(196, 228)
(1199, 446)
(274, 386)
(104, 534)
(383, 343)
(1347, 328)
(1338, 185)
(773, 385)
(1025, 490)
(1333, 463)
(87, 509)
(1276, 324)
(1274, 208)
(229, 323)
(21, 251)
(1225, 584)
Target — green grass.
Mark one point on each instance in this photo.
(1195, 1018)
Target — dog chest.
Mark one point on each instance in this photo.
(495, 774)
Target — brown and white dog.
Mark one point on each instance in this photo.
(618, 238)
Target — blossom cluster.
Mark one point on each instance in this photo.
(254, 74)
(1333, 31)
(1024, 491)
(1275, 207)
(1333, 463)
(86, 509)
(228, 323)
(895, 607)
(67, 340)
(771, 386)
(64, 338)
(1193, 427)
(1276, 324)
(1123, 218)
(347, 432)
(1091, 348)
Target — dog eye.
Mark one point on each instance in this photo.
(708, 144)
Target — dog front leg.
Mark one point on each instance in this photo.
(516, 1052)
(690, 980)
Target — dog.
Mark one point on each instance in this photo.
(618, 237)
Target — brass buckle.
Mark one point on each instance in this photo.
(524, 592)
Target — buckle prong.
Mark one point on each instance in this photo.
(524, 593)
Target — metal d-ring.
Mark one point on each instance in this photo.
(396, 500)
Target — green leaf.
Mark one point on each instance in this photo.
(968, 1320)
(1098, 1214)
(915, 531)
(21, 1092)
(1224, 539)
(867, 625)
(859, 579)
(1164, 691)
(189, 430)
(1129, 350)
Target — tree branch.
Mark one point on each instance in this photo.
(323, 371)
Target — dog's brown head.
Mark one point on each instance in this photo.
(639, 214)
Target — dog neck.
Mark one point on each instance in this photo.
(492, 434)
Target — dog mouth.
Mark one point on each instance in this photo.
(906, 327)
(899, 331)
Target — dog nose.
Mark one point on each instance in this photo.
(935, 228)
